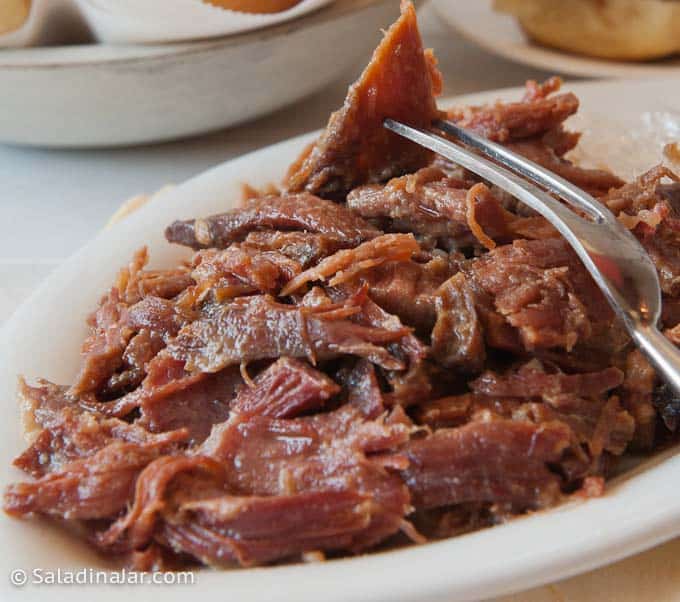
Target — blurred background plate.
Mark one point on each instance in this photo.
(501, 34)
(97, 95)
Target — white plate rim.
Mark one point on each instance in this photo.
(627, 520)
(529, 53)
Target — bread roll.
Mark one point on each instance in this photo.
(255, 6)
(613, 29)
(13, 14)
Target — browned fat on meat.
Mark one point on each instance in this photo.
(297, 212)
(400, 82)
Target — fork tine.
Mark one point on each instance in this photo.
(558, 214)
(534, 172)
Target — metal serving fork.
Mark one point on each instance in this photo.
(613, 256)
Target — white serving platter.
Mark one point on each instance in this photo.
(640, 508)
(99, 95)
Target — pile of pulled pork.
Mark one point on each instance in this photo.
(387, 350)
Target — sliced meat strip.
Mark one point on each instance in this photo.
(258, 327)
(542, 290)
(255, 530)
(338, 451)
(408, 289)
(507, 121)
(346, 264)
(400, 82)
(595, 181)
(65, 432)
(431, 204)
(458, 334)
(306, 248)
(240, 269)
(196, 406)
(498, 461)
(287, 388)
(95, 487)
(297, 212)
(531, 380)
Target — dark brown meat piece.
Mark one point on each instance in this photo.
(195, 407)
(416, 381)
(95, 487)
(287, 388)
(408, 289)
(155, 321)
(338, 451)
(506, 121)
(531, 380)
(498, 461)
(595, 181)
(239, 270)
(258, 327)
(297, 212)
(103, 349)
(543, 291)
(348, 263)
(65, 432)
(307, 248)
(458, 335)
(400, 82)
(637, 396)
(363, 390)
(141, 349)
(431, 204)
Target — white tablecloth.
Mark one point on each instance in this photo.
(51, 202)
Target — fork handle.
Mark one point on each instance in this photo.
(662, 354)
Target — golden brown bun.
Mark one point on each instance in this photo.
(254, 6)
(13, 14)
(612, 29)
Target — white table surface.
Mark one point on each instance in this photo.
(52, 202)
